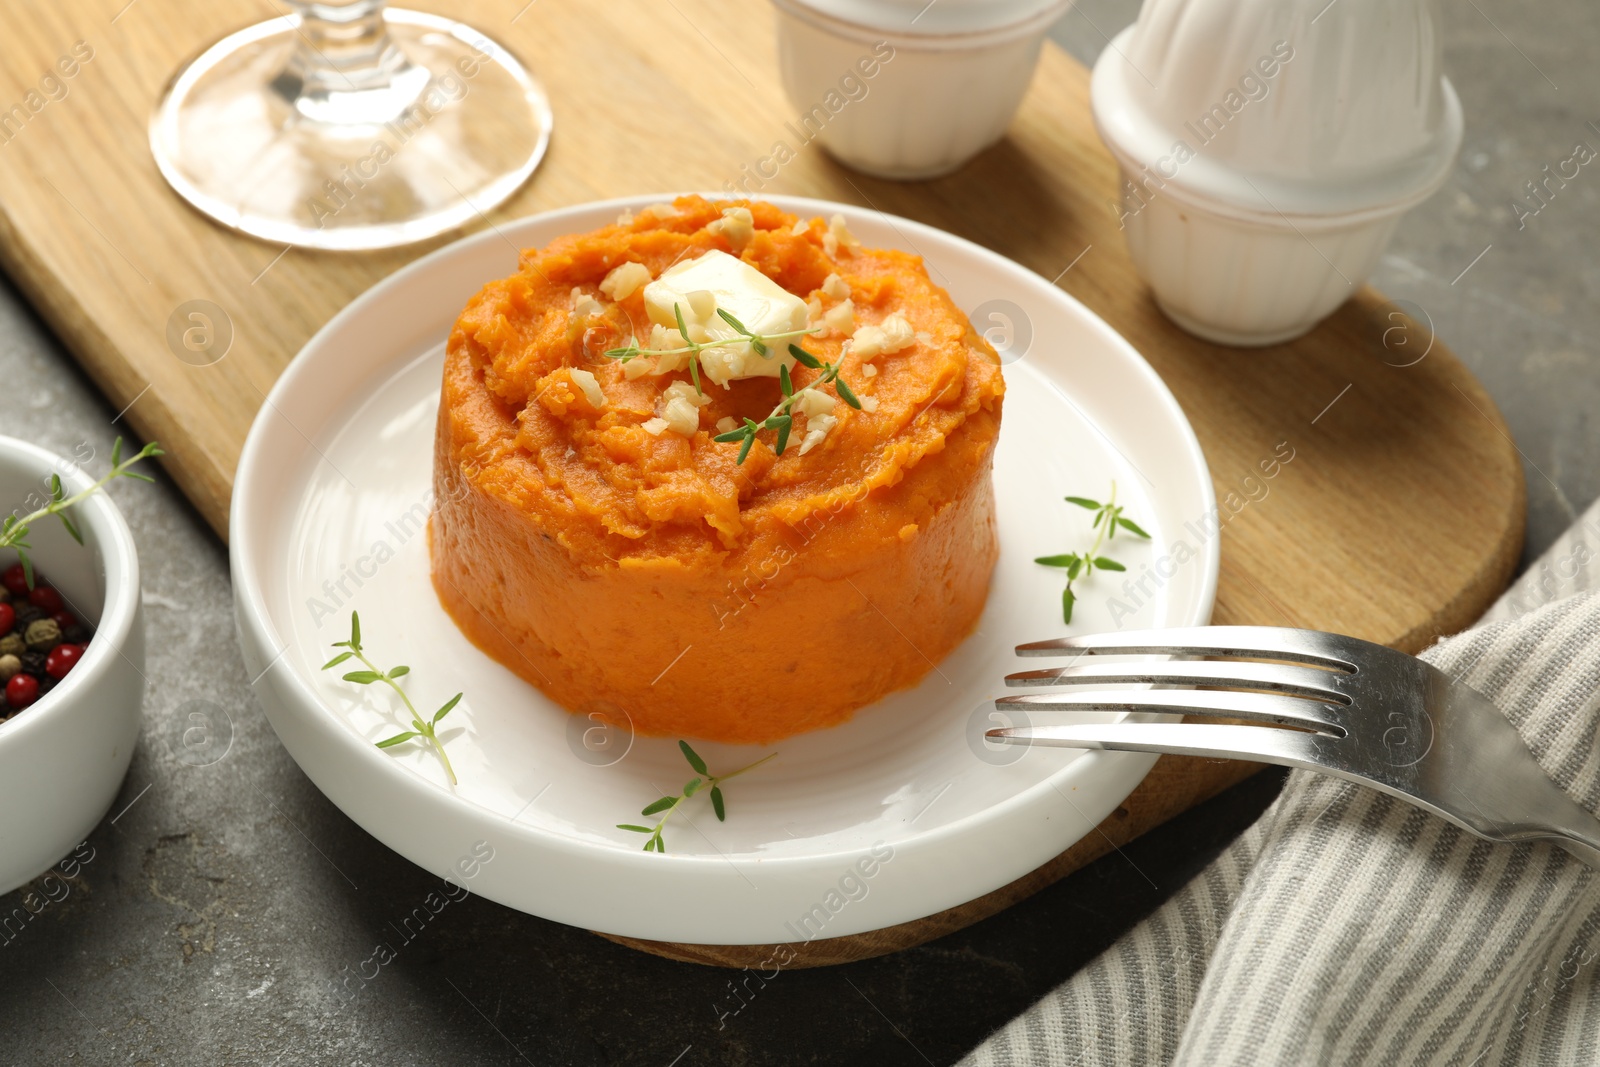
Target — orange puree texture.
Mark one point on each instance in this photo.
(652, 577)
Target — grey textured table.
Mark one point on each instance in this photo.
(225, 904)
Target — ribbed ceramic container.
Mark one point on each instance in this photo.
(1268, 149)
(906, 89)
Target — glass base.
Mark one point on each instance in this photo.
(455, 131)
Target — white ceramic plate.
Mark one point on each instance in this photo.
(331, 491)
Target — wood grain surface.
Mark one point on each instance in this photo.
(1398, 520)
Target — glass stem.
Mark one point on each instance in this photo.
(346, 68)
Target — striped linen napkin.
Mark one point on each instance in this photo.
(1347, 927)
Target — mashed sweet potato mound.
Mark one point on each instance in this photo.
(650, 575)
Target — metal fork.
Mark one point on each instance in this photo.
(1358, 711)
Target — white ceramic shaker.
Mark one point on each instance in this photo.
(1268, 148)
(907, 88)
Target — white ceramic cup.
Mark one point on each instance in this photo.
(63, 759)
(1251, 280)
(931, 102)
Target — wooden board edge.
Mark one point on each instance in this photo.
(203, 483)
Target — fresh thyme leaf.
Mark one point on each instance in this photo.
(399, 672)
(731, 435)
(71, 529)
(1066, 559)
(658, 805)
(784, 384)
(398, 739)
(735, 323)
(693, 757)
(635, 828)
(677, 313)
(1084, 502)
(804, 358)
(449, 706)
(363, 677)
(744, 449)
(845, 393)
(1074, 568)
(355, 631)
(1108, 564)
(1067, 600)
(335, 661)
(718, 805)
(783, 434)
(694, 371)
(1132, 527)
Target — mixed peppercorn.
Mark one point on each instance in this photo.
(40, 640)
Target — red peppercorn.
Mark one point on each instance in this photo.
(45, 599)
(15, 579)
(22, 690)
(8, 618)
(62, 659)
(64, 619)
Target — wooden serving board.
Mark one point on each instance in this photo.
(1399, 518)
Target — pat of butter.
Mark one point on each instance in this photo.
(734, 286)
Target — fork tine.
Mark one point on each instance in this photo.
(1265, 744)
(1306, 681)
(1268, 642)
(1257, 707)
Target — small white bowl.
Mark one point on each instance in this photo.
(63, 759)
(907, 90)
(1235, 278)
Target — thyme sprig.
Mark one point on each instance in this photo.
(1108, 519)
(781, 418)
(374, 673)
(703, 782)
(761, 342)
(14, 530)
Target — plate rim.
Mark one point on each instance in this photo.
(254, 622)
